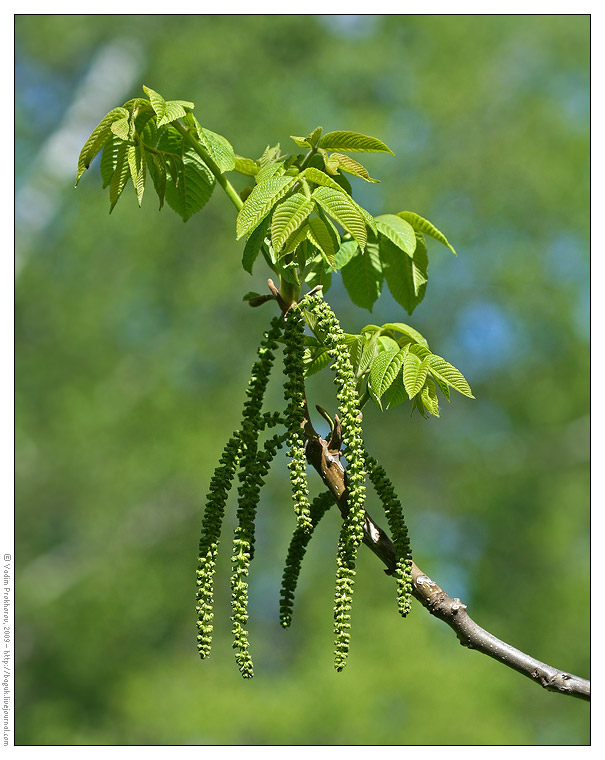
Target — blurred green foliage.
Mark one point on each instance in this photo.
(133, 348)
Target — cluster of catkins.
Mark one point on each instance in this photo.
(243, 451)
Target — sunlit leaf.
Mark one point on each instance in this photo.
(254, 244)
(384, 370)
(440, 368)
(288, 217)
(97, 139)
(362, 276)
(260, 201)
(405, 276)
(343, 210)
(349, 165)
(352, 142)
(398, 231)
(423, 225)
(138, 170)
(120, 176)
(414, 373)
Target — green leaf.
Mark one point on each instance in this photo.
(109, 158)
(246, 166)
(395, 394)
(442, 384)
(315, 359)
(429, 398)
(97, 139)
(120, 176)
(405, 277)
(369, 351)
(138, 171)
(443, 370)
(398, 232)
(270, 155)
(260, 201)
(157, 170)
(319, 274)
(297, 237)
(167, 110)
(302, 142)
(410, 332)
(352, 142)
(414, 373)
(344, 211)
(121, 128)
(423, 225)
(220, 150)
(189, 185)
(269, 171)
(345, 254)
(313, 136)
(254, 244)
(384, 370)
(385, 343)
(323, 238)
(288, 217)
(317, 177)
(349, 165)
(362, 276)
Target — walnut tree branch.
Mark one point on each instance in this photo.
(325, 458)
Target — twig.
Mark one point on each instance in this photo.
(326, 461)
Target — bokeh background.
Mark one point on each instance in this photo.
(134, 347)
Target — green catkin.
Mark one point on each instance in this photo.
(401, 540)
(238, 446)
(243, 544)
(351, 534)
(253, 465)
(296, 552)
(294, 392)
(216, 499)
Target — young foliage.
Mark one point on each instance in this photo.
(298, 214)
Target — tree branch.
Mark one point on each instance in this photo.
(326, 460)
